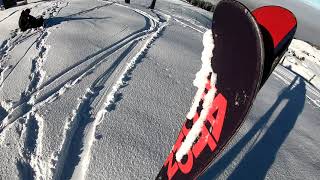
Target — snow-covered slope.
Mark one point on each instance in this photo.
(101, 93)
(304, 59)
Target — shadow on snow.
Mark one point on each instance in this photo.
(53, 21)
(259, 158)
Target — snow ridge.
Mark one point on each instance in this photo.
(81, 115)
(36, 77)
(104, 53)
(111, 97)
(191, 23)
(189, 26)
(9, 15)
(5, 47)
(33, 126)
(19, 109)
(28, 97)
(8, 45)
(31, 152)
(32, 148)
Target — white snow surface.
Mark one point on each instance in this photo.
(102, 91)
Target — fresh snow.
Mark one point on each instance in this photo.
(102, 91)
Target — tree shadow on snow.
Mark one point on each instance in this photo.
(259, 158)
(58, 20)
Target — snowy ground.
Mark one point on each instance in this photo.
(102, 91)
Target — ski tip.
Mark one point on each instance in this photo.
(231, 4)
(280, 24)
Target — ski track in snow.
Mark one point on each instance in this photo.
(186, 22)
(9, 15)
(28, 97)
(16, 37)
(93, 117)
(12, 13)
(15, 110)
(70, 82)
(30, 103)
(32, 138)
(186, 25)
(110, 95)
(36, 78)
(31, 163)
(110, 100)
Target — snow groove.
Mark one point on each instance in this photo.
(189, 26)
(31, 166)
(31, 103)
(28, 97)
(91, 9)
(9, 15)
(35, 160)
(15, 39)
(37, 73)
(111, 98)
(22, 108)
(80, 119)
(10, 43)
(191, 23)
(31, 156)
(2, 72)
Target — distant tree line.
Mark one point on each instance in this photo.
(151, 6)
(202, 4)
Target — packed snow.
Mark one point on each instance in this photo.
(102, 91)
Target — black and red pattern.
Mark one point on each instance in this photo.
(206, 142)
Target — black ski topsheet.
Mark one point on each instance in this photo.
(238, 62)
